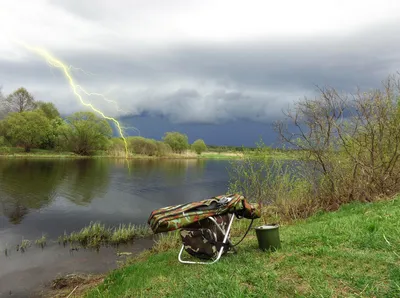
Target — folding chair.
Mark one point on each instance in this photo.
(207, 244)
(204, 225)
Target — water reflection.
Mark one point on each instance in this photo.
(85, 179)
(109, 188)
(27, 185)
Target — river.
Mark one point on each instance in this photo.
(55, 196)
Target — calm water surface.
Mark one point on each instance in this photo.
(53, 196)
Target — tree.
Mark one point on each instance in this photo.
(4, 105)
(199, 146)
(51, 140)
(178, 141)
(84, 132)
(140, 145)
(21, 101)
(51, 112)
(351, 143)
(48, 109)
(27, 128)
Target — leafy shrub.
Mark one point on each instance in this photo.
(178, 141)
(140, 145)
(349, 150)
(199, 146)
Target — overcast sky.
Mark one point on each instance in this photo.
(206, 61)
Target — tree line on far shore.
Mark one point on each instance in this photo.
(30, 124)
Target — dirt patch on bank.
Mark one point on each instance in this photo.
(71, 285)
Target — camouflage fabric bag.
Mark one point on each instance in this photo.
(180, 216)
(203, 239)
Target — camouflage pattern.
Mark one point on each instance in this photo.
(203, 239)
(179, 216)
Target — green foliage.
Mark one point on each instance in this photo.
(27, 128)
(140, 145)
(271, 182)
(178, 141)
(52, 140)
(116, 147)
(149, 147)
(84, 133)
(49, 109)
(199, 146)
(21, 100)
(219, 149)
(4, 149)
(163, 149)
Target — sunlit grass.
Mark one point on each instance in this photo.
(24, 245)
(97, 234)
(353, 252)
(42, 241)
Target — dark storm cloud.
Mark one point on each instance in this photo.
(210, 83)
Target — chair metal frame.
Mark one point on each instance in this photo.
(226, 240)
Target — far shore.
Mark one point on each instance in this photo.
(50, 154)
(53, 154)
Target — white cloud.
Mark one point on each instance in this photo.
(204, 61)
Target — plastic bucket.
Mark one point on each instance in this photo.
(268, 237)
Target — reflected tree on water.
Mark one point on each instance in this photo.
(27, 185)
(17, 214)
(175, 170)
(86, 179)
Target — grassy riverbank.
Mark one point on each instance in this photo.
(40, 153)
(354, 251)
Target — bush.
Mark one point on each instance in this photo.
(163, 149)
(149, 147)
(352, 142)
(140, 145)
(349, 151)
(5, 150)
(27, 129)
(178, 141)
(116, 147)
(199, 146)
(271, 182)
(84, 132)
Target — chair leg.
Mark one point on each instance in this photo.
(226, 240)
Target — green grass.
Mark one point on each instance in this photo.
(97, 234)
(42, 241)
(24, 245)
(222, 155)
(13, 152)
(354, 252)
(16, 152)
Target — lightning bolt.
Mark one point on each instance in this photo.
(131, 127)
(55, 62)
(102, 96)
(88, 73)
